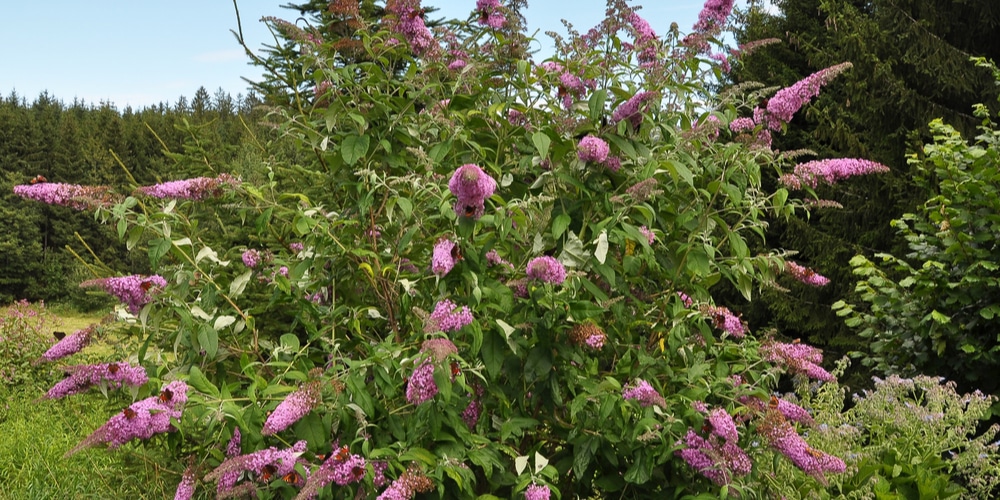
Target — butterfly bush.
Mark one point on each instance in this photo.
(374, 192)
(70, 344)
(112, 375)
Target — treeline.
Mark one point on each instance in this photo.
(98, 144)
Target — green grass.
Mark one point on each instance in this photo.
(34, 436)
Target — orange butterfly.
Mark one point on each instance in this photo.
(267, 472)
(342, 454)
(166, 395)
(39, 179)
(113, 368)
(129, 413)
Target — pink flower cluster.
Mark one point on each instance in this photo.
(715, 458)
(472, 186)
(407, 18)
(67, 195)
(546, 269)
(830, 171)
(785, 440)
(786, 102)
(421, 386)
(270, 462)
(470, 415)
(494, 259)
(406, 486)
(251, 258)
(70, 344)
(641, 391)
(713, 15)
(633, 108)
(447, 317)
(134, 290)
(342, 468)
(490, 13)
(650, 237)
(645, 39)
(83, 377)
(797, 358)
(805, 275)
(444, 256)
(185, 489)
(725, 320)
(295, 406)
(592, 149)
(198, 188)
(537, 492)
(141, 419)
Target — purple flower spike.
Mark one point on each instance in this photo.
(472, 186)
(185, 490)
(83, 377)
(198, 188)
(644, 393)
(592, 149)
(546, 269)
(448, 318)
(295, 406)
(70, 344)
(421, 387)
(134, 290)
(537, 492)
(67, 195)
(445, 254)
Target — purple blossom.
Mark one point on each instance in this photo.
(70, 344)
(296, 246)
(448, 318)
(227, 481)
(439, 348)
(537, 492)
(546, 269)
(444, 256)
(407, 18)
(490, 13)
(185, 490)
(251, 258)
(471, 186)
(723, 61)
(270, 461)
(786, 102)
(595, 342)
(794, 412)
(421, 386)
(830, 171)
(295, 406)
(141, 420)
(645, 38)
(67, 195)
(744, 124)
(714, 460)
(134, 290)
(198, 188)
(797, 359)
(725, 320)
(470, 415)
(723, 424)
(785, 440)
(592, 149)
(339, 469)
(713, 15)
(650, 237)
(685, 299)
(805, 275)
(641, 391)
(456, 65)
(633, 108)
(494, 259)
(83, 377)
(613, 163)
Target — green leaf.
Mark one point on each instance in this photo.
(353, 148)
(239, 284)
(208, 338)
(541, 141)
(290, 341)
(596, 104)
(559, 225)
(157, 249)
(940, 318)
(679, 171)
(198, 380)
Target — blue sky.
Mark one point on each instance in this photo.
(142, 52)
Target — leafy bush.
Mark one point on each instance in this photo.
(905, 438)
(475, 277)
(938, 309)
(24, 336)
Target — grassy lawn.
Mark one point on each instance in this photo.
(35, 435)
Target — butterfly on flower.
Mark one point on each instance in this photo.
(773, 404)
(129, 413)
(59, 335)
(166, 395)
(113, 368)
(39, 179)
(455, 369)
(342, 454)
(267, 472)
(292, 478)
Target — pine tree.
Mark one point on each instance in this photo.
(910, 65)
